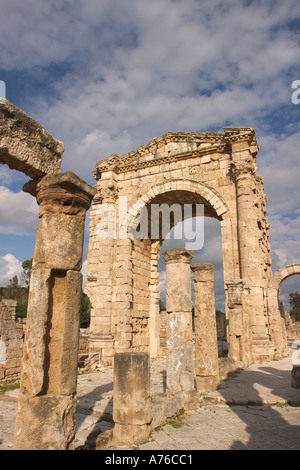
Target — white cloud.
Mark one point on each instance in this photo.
(278, 162)
(10, 266)
(84, 273)
(137, 69)
(10, 177)
(18, 212)
(211, 252)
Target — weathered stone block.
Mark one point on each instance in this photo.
(25, 145)
(295, 376)
(132, 402)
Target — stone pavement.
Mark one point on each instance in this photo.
(255, 409)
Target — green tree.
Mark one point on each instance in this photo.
(14, 282)
(26, 273)
(85, 311)
(295, 304)
(21, 309)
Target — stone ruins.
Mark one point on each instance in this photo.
(214, 170)
(50, 353)
(11, 342)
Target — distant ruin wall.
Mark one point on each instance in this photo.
(292, 327)
(11, 342)
(12, 331)
(221, 325)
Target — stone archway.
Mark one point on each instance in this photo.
(286, 272)
(276, 320)
(215, 169)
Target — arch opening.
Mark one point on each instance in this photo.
(207, 249)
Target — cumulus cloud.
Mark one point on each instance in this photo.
(119, 73)
(18, 212)
(84, 272)
(137, 69)
(10, 266)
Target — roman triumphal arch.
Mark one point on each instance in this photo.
(215, 171)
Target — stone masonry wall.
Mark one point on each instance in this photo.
(11, 342)
(217, 170)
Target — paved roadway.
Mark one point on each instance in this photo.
(257, 409)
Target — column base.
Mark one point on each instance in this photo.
(45, 422)
(207, 384)
(103, 344)
(126, 434)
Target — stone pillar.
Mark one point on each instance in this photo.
(252, 255)
(47, 402)
(132, 411)
(154, 318)
(11, 342)
(206, 343)
(100, 273)
(123, 296)
(238, 332)
(180, 367)
(276, 320)
(250, 264)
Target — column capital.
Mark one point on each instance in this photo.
(235, 292)
(178, 255)
(107, 191)
(61, 192)
(243, 168)
(203, 272)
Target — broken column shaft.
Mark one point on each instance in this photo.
(132, 412)
(180, 368)
(206, 344)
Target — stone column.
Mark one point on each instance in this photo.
(100, 273)
(250, 264)
(276, 320)
(180, 367)
(47, 402)
(238, 333)
(206, 343)
(252, 256)
(132, 411)
(154, 318)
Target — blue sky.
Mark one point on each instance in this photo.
(105, 76)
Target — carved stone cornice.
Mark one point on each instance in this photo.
(150, 155)
(235, 135)
(198, 144)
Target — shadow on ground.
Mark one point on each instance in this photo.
(266, 423)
